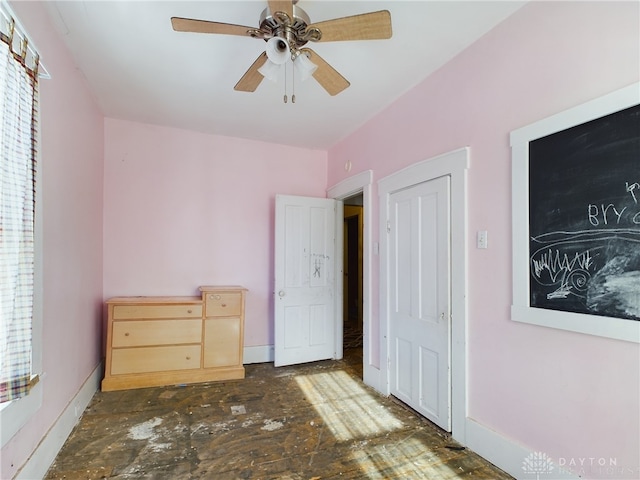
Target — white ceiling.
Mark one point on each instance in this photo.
(140, 69)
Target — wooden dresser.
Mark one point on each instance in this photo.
(153, 341)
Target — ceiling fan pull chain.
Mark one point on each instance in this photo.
(285, 83)
(293, 84)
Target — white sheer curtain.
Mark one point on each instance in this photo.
(18, 107)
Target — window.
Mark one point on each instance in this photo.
(18, 246)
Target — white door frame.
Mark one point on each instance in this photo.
(359, 183)
(455, 165)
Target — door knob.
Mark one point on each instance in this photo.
(281, 293)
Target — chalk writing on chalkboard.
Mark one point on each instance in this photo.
(584, 217)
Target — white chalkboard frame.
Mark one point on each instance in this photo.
(521, 310)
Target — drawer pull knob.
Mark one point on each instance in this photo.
(189, 311)
(126, 334)
(224, 304)
(188, 358)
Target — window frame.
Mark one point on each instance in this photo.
(16, 414)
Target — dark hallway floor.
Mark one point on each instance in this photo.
(314, 421)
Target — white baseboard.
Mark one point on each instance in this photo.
(45, 453)
(509, 456)
(259, 354)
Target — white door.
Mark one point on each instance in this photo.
(304, 300)
(419, 347)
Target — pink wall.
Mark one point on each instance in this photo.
(71, 161)
(185, 209)
(566, 394)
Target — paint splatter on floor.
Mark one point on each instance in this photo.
(271, 425)
(145, 430)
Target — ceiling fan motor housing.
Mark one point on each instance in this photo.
(292, 30)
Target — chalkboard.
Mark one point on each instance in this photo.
(584, 217)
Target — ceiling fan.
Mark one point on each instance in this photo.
(287, 28)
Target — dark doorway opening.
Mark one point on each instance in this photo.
(352, 281)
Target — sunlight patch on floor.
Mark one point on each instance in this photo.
(348, 410)
(408, 458)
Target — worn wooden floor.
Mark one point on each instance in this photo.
(316, 421)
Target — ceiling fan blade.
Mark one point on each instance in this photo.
(204, 26)
(327, 76)
(252, 78)
(366, 26)
(285, 6)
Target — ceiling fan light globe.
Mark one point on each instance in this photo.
(304, 67)
(278, 50)
(270, 70)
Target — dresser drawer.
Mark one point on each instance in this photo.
(135, 333)
(223, 304)
(157, 311)
(154, 359)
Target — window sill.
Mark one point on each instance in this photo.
(14, 415)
